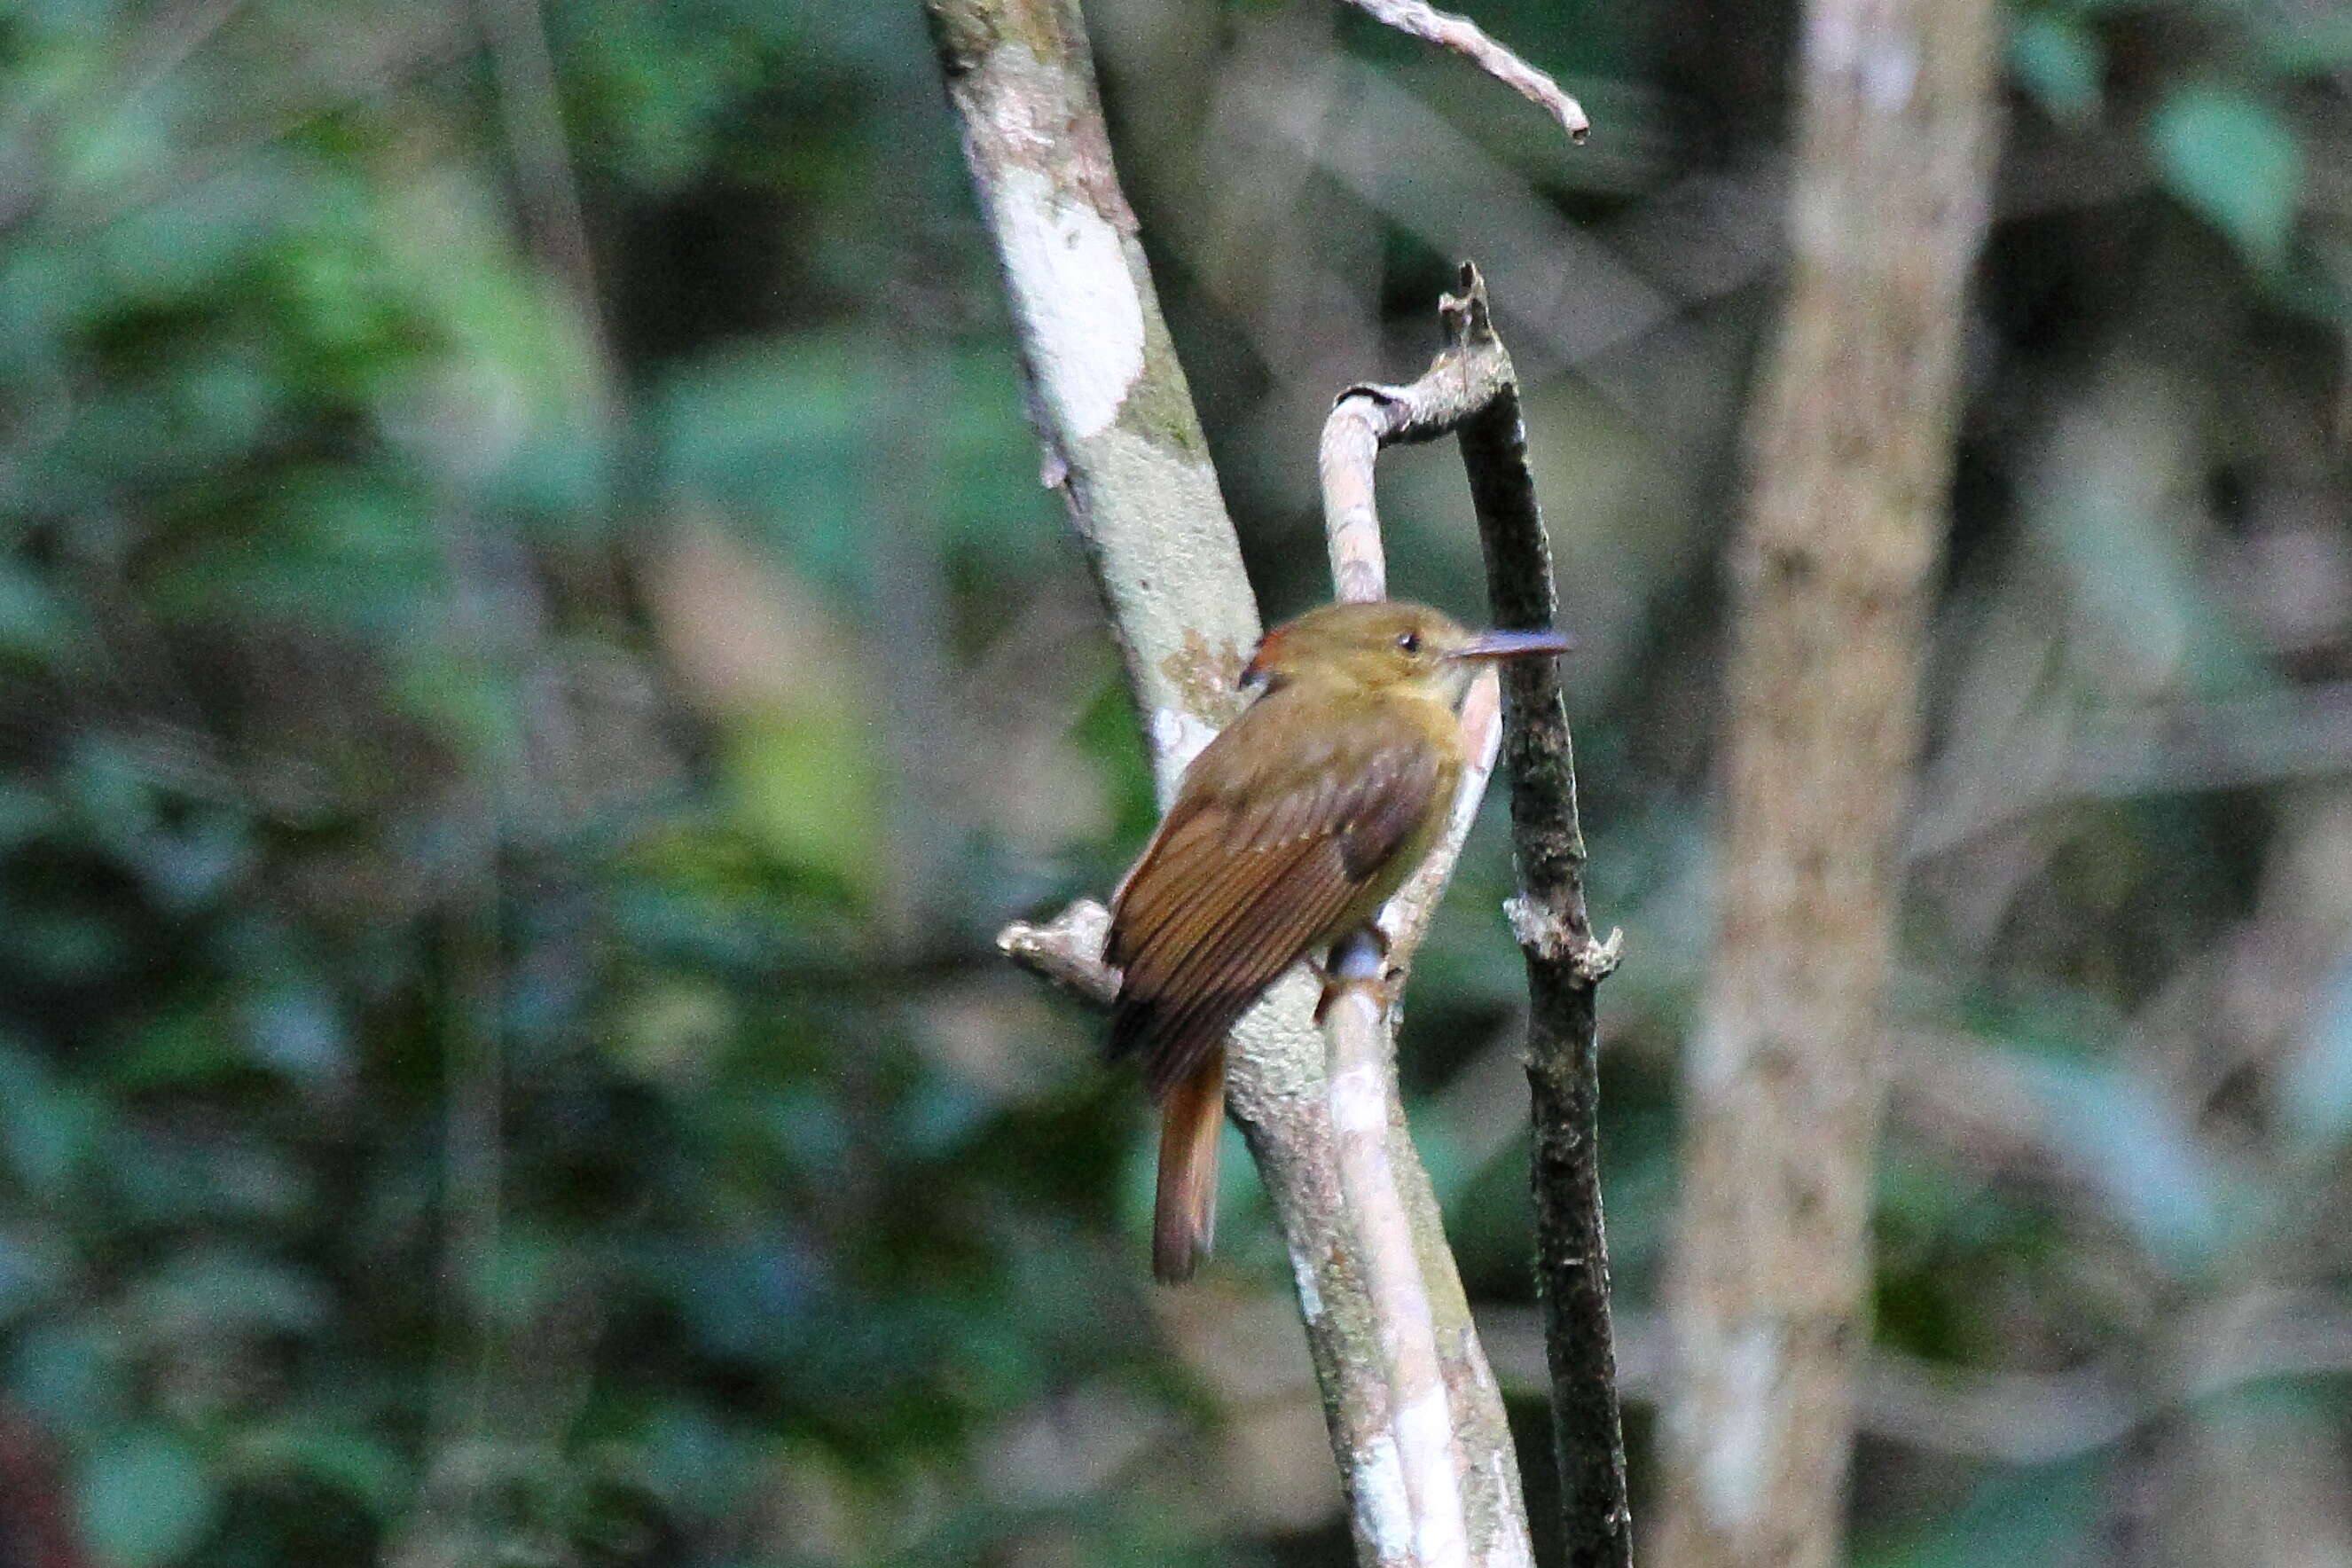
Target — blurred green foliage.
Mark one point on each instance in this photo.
(533, 660)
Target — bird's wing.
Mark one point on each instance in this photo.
(1249, 870)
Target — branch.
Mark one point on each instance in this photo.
(1563, 963)
(1124, 446)
(1067, 949)
(1470, 389)
(1465, 38)
(1360, 1026)
(1122, 442)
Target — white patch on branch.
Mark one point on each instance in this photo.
(1071, 264)
(1426, 1435)
(1380, 1500)
(1506, 1544)
(1310, 1298)
(1360, 1099)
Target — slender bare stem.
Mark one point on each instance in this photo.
(1358, 1025)
(1466, 38)
(1068, 950)
(1563, 963)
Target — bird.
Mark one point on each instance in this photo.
(1287, 833)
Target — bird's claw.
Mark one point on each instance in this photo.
(1386, 991)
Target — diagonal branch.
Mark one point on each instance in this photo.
(1466, 38)
(1124, 446)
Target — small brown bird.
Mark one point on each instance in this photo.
(1289, 831)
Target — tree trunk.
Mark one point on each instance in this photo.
(1852, 441)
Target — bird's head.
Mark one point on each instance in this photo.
(1388, 645)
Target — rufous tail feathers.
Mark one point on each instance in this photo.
(1184, 1216)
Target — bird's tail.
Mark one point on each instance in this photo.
(1185, 1216)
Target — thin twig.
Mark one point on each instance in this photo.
(1466, 38)
(1067, 949)
(1564, 963)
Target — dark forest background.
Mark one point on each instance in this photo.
(533, 660)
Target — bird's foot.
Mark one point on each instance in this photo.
(1360, 961)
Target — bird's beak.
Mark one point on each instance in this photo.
(1514, 644)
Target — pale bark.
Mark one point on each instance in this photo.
(1852, 441)
(1466, 38)
(1124, 446)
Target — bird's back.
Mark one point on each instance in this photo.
(1290, 828)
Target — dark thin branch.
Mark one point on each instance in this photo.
(1564, 963)
(1466, 38)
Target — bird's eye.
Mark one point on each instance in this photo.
(1409, 642)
